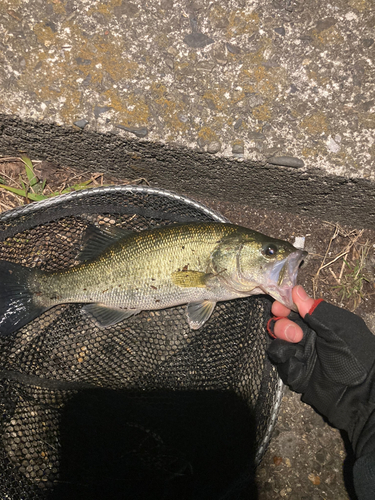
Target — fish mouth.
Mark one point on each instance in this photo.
(283, 277)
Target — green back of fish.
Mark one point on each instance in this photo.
(142, 265)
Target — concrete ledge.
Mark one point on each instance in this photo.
(268, 103)
(307, 192)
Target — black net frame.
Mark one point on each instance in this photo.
(145, 409)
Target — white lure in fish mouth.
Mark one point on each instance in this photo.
(283, 277)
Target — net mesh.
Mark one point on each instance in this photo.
(144, 409)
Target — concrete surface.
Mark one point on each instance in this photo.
(226, 99)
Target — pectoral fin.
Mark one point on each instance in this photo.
(199, 312)
(187, 279)
(107, 316)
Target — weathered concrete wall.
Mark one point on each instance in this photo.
(329, 197)
(199, 96)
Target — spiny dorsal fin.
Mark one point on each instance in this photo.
(97, 240)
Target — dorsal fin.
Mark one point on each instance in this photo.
(97, 240)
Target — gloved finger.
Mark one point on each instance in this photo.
(342, 362)
(345, 345)
(293, 363)
(281, 351)
(285, 329)
(290, 329)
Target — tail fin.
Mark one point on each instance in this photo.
(17, 307)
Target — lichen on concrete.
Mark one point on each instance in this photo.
(295, 75)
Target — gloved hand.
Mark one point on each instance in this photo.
(333, 366)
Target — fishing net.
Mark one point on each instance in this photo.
(145, 409)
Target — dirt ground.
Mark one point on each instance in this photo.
(305, 455)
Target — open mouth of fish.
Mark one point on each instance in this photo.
(283, 277)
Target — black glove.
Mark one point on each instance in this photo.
(333, 367)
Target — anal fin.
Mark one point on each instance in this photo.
(106, 316)
(199, 312)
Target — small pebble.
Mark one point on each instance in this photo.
(197, 40)
(299, 242)
(332, 145)
(367, 42)
(233, 49)
(139, 132)
(100, 109)
(201, 142)
(169, 62)
(321, 456)
(314, 479)
(256, 136)
(214, 147)
(210, 104)
(287, 161)
(205, 66)
(183, 118)
(237, 124)
(280, 31)
(254, 100)
(83, 62)
(87, 81)
(81, 123)
(366, 106)
(238, 149)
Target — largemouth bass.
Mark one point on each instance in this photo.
(197, 264)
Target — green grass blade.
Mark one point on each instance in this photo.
(33, 179)
(22, 192)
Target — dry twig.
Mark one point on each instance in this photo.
(349, 283)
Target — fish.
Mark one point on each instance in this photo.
(120, 274)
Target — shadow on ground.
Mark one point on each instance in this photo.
(159, 445)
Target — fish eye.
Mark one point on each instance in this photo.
(270, 250)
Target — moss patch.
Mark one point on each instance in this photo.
(130, 110)
(241, 22)
(207, 134)
(262, 113)
(315, 124)
(360, 5)
(329, 37)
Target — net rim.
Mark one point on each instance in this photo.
(273, 419)
(86, 193)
